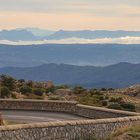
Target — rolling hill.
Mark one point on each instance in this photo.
(116, 76)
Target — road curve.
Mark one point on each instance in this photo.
(37, 116)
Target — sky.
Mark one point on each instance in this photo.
(71, 14)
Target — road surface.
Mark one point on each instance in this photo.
(37, 116)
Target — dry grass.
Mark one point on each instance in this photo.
(129, 133)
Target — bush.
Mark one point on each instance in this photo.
(106, 97)
(25, 90)
(103, 89)
(30, 83)
(62, 87)
(79, 90)
(14, 96)
(38, 91)
(21, 81)
(105, 103)
(110, 89)
(51, 89)
(101, 97)
(5, 92)
(115, 106)
(128, 106)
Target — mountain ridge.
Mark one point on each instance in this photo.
(92, 34)
(31, 34)
(16, 35)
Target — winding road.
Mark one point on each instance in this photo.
(37, 116)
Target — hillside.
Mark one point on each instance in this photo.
(118, 75)
(107, 97)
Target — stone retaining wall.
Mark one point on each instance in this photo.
(66, 130)
(100, 113)
(35, 105)
(64, 106)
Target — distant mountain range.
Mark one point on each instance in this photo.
(117, 75)
(31, 34)
(75, 54)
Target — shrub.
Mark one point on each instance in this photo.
(115, 106)
(110, 89)
(106, 97)
(25, 90)
(101, 97)
(14, 96)
(103, 89)
(128, 106)
(8, 81)
(119, 99)
(21, 81)
(38, 91)
(51, 89)
(62, 87)
(79, 90)
(30, 83)
(5, 92)
(105, 103)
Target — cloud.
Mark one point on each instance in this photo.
(77, 6)
(122, 40)
(66, 21)
(91, 13)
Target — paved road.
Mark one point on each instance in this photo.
(36, 116)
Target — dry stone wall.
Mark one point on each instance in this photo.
(99, 126)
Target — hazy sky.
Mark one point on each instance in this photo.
(70, 14)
